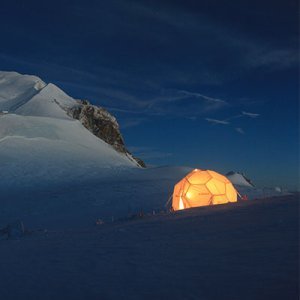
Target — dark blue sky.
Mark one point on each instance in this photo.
(208, 84)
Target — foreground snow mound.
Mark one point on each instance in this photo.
(239, 251)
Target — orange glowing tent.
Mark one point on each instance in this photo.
(202, 188)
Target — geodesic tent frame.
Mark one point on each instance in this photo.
(202, 188)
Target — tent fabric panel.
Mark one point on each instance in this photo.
(176, 195)
(186, 202)
(216, 187)
(218, 176)
(231, 193)
(185, 186)
(200, 201)
(198, 195)
(198, 177)
(201, 189)
(219, 199)
(179, 189)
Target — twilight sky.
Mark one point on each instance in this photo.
(207, 84)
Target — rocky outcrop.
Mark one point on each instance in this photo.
(103, 125)
(140, 162)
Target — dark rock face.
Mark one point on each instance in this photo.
(103, 125)
(139, 161)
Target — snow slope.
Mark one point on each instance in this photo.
(48, 102)
(245, 250)
(38, 137)
(17, 89)
(51, 149)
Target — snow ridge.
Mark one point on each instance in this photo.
(16, 89)
(37, 131)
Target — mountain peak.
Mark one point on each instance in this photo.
(29, 96)
(239, 179)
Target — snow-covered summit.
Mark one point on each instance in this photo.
(38, 135)
(30, 96)
(50, 101)
(17, 89)
(239, 179)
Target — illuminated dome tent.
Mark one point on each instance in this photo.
(201, 188)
